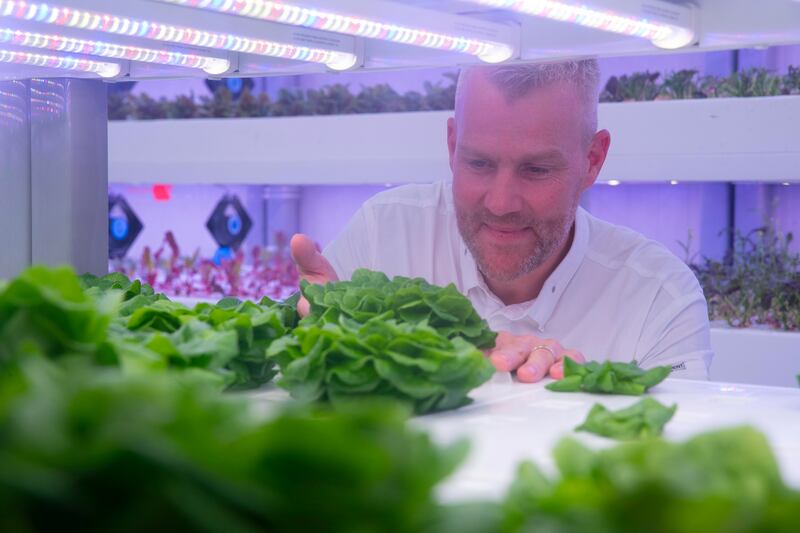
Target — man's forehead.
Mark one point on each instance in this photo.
(479, 82)
(532, 153)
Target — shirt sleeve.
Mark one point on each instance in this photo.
(676, 333)
(353, 247)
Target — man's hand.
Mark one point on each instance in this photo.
(532, 357)
(311, 265)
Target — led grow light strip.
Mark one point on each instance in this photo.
(107, 23)
(60, 43)
(662, 34)
(295, 15)
(105, 70)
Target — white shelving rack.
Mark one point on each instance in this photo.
(711, 140)
(52, 106)
(56, 145)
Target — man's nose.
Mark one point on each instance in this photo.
(503, 197)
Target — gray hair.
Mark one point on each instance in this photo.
(517, 80)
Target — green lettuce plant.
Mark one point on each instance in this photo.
(757, 284)
(681, 85)
(230, 337)
(369, 294)
(640, 86)
(347, 360)
(751, 82)
(89, 449)
(608, 378)
(645, 418)
(725, 480)
(114, 321)
(45, 310)
(339, 99)
(791, 81)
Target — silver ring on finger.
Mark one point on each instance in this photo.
(544, 347)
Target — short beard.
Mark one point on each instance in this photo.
(548, 237)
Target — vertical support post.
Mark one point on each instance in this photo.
(15, 193)
(281, 212)
(69, 173)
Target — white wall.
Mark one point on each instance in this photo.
(326, 209)
(667, 213)
(186, 213)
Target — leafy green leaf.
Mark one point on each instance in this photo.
(409, 362)
(608, 378)
(90, 449)
(724, 480)
(45, 311)
(115, 321)
(645, 418)
(369, 294)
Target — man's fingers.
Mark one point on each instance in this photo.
(303, 307)
(311, 264)
(509, 357)
(575, 355)
(536, 367)
(557, 370)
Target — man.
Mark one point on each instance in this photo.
(509, 233)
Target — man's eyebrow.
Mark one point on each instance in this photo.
(553, 156)
(474, 152)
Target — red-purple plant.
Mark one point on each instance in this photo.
(261, 272)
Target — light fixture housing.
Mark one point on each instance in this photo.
(386, 21)
(665, 24)
(63, 43)
(61, 62)
(170, 26)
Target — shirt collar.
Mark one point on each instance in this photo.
(470, 277)
(542, 308)
(559, 279)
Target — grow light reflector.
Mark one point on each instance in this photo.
(665, 24)
(118, 25)
(62, 62)
(59, 43)
(289, 13)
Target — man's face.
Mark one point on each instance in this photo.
(519, 167)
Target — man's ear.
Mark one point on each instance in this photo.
(596, 156)
(451, 140)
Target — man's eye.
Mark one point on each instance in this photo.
(539, 171)
(479, 164)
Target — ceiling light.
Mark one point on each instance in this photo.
(344, 16)
(118, 25)
(60, 43)
(665, 24)
(102, 69)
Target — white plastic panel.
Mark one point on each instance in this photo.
(751, 355)
(510, 422)
(69, 174)
(724, 139)
(15, 194)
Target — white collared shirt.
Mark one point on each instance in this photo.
(616, 295)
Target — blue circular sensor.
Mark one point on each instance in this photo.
(223, 252)
(234, 84)
(234, 225)
(119, 228)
